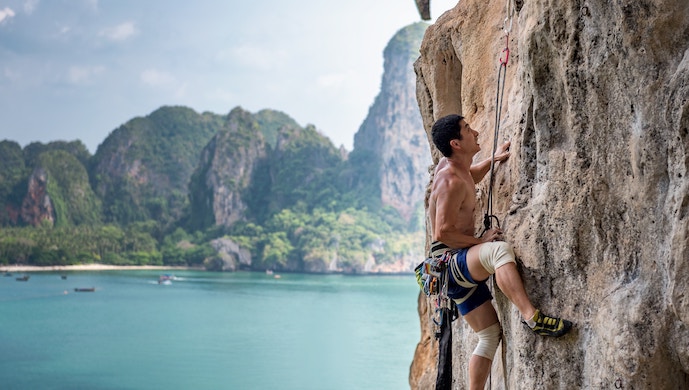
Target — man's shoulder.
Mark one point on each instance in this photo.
(449, 183)
(451, 175)
(446, 177)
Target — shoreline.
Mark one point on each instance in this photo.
(91, 267)
(17, 268)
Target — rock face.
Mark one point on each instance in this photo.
(595, 196)
(36, 206)
(391, 136)
(424, 7)
(142, 169)
(230, 256)
(12, 171)
(241, 176)
(225, 170)
(59, 192)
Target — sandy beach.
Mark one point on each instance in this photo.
(88, 267)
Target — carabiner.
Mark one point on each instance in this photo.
(510, 17)
(506, 50)
(438, 322)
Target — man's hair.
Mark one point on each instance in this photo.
(445, 130)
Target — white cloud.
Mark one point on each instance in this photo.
(256, 57)
(64, 30)
(120, 32)
(30, 6)
(10, 74)
(181, 91)
(222, 95)
(93, 4)
(333, 80)
(164, 81)
(6, 14)
(84, 74)
(157, 78)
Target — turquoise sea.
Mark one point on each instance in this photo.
(207, 331)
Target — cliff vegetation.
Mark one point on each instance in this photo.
(238, 191)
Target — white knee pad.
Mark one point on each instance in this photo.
(488, 340)
(495, 254)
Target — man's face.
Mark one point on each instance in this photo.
(469, 141)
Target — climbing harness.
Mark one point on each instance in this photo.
(433, 278)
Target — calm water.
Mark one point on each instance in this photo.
(207, 331)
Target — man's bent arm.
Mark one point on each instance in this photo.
(479, 170)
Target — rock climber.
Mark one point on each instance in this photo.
(451, 209)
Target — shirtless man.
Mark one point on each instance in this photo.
(451, 208)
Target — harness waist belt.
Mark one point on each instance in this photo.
(440, 249)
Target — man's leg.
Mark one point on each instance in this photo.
(498, 257)
(479, 319)
(508, 279)
(510, 283)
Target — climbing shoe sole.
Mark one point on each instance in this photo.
(550, 326)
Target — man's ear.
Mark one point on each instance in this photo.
(455, 143)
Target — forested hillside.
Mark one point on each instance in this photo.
(237, 191)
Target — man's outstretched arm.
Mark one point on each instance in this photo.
(479, 170)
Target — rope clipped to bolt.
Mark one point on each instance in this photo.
(489, 217)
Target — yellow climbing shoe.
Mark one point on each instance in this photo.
(549, 326)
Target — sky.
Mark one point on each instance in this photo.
(79, 69)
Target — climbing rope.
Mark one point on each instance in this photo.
(489, 216)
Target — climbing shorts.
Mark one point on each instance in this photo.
(467, 293)
(467, 298)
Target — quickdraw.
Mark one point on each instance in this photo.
(433, 278)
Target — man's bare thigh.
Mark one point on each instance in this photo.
(481, 317)
(476, 269)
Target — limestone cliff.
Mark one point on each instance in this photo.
(230, 256)
(142, 169)
(59, 192)
(424, 7)
(36, 206)
(595, 196)
(12, 184)
(391, 136)
(225, 170)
